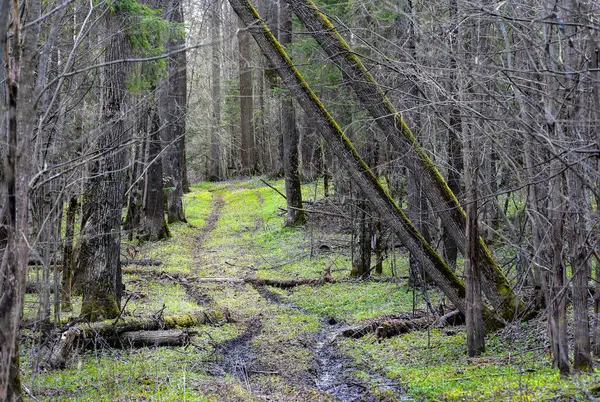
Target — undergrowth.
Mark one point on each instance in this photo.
(276, 330)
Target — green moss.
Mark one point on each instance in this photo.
(99, 305)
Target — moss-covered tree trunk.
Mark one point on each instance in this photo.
(100, 239)
(370, 187)
(442, 200)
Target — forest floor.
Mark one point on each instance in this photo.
(286, 345)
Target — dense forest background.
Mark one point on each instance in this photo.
(466, 132)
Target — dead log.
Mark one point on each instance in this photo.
(391, 328)
(155, 338)
(289, 283)
(388, 325)
(278, 283)
(452, 318)
(81, 335)
(146, 262)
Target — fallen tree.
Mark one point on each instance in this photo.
(391, 325)
(172, 337)
(142, 262)
(80, 336)
(360, 172)
(442, 199)
(278, 283)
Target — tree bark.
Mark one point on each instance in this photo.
(67, 271)
(293, 190)
(474, 318)
(155, 225)
(100, 238)
(214, 170)
(351, 160)
(173, 109)
(363, 227)
(18, 162)
(246, 103)
(443, 201)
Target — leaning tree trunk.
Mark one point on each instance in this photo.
(442, 200)
(381, 201)
(100, 238)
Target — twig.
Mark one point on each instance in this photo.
(123, 309)
(273, 188)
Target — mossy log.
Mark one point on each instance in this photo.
(82, 335)
(278, 283)
(146, 262)
(172, 337)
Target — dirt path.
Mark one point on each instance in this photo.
(211, 222)
(261, 358)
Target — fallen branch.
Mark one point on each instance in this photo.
(80, 335)
(278, 283)
(146, 262)
(273, 188)
(391, 325)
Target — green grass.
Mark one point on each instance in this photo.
(355, 300)
(250, 240)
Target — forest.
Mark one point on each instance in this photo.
(299, 200)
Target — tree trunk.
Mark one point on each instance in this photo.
(361, 255)
(67, 271)
(293, 190)
(475, 328)
(578, 257)
(442, 200)
(18, 162)
(155, 225)
(100, 238)
(135, 201)
(246, 102)
(351, 160)
(454, 144)
(214, 170)
(172, 106)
